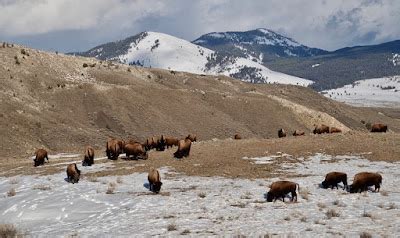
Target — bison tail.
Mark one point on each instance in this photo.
(298, 187)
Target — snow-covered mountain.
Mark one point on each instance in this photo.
(261, 45)
(152, 49)
(380, 92)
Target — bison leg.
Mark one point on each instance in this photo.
(294, 195)
(377, 187)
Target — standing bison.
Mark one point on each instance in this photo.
(88, 158)
(170, 141)
(281, 133)
(136, 150)
(379, 127)
(363, 180)
(183, 148)
(321, 129)
(279, 189)
(333, 178)
(73, 173)
(154, 180)
(40, 156)
(114, 148)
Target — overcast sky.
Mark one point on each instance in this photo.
(77, 25)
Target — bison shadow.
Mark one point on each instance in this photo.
(287, 196)
(146, 185)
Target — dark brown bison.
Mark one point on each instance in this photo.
(155, 143)
(334, 130)
(279, 189)
(321, 129)
(363, 180)
(193, 138)
(237, 137)
(88, 158)
(73, 173)
(40, 156)
(281, 133)
(333, 178)
(114, 148)
(154, 180)
(183, 148)
(298, 133)
(170, 141)
(379, 127)
(136, 150)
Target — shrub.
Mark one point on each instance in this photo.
(332, 213)
(202, 195)
(8, 230)
(11, 192)
(42, 187)
(171, 227)
(111, 188)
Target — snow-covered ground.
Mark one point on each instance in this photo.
(378, 92)
(160, 50)
(206, 206)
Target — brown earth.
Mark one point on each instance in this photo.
(50, 100)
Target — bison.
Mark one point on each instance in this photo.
(379, 127)
(114, 148)
(154, 180)
(321, 129)
(279, 189)
(281, 133)
(183, 148)
(333, 178)
(40, 156)
(334, 130)
(155, 143)
(363, 180)
(137, 150)
(170, 141)
(298, 133)
(88, 158)
(73, 173)
(193, 138)
(237, 137)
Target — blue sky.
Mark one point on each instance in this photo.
(75, 25)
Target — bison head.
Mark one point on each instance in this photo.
(270, 197)
(157, 187)
(324, 184)
(352, 189)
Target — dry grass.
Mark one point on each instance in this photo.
(8, 231)
(304, 194)
(365, 235)
(287, 218)
(42, 187)
(185, 232)
(119, 180)
(14, 180)
(303, 219)
(92, 179)
(321, 205)
(332, 213)
(391, 206)
(171, 227)
(384, 193)
(111, 188)
(202, 194)
(247, 195)
(11, 192)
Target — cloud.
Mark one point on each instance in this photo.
(78, 25)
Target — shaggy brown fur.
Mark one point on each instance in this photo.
(183, 148)
(193, 138)
(114, 148)
(73, 173)
(237, 137)
(334, 130)
(379, 127)
(137, 150)
(88, 158)
(321, 129)
(363, 180)
(279, 189)
(40, 156)
(333, 178)
(154, 180)
(170, 142)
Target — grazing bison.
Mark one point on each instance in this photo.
(160, 143)
(298, 133)
(279, 189)
(88, 158)
(333, 178)
(40, 156)
(334, 130)
(363, 180)
(73, 173)
(154, 180)
(193, 138)
(237, 137)
(137, 150)
(281, 133)
(183, 148)
(170, 141)
(155, 143)
(114, 148)
(321, 129)
(379, 127)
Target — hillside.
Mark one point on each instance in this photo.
(158, 50)
(51, 100)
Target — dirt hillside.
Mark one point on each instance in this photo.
(51, 100)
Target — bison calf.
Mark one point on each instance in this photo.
(73, 173)
(154, 180)
(40, 156)
(363, 180)
(333, 178)
(88, 158)
(279, 189)
(281, 133)
(183, 148)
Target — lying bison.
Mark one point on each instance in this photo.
(40, 156)
(281, 133)
(88, 158)
(193, 138)
(321, 129)
(237, 137)
(363, 180)
(298, 133)
(333, 178)
(379, 127)
(73, 173)
(114, 148)
(136, 150)
(334, 130)
(279, 189)
(183, 148)
(154, 180)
